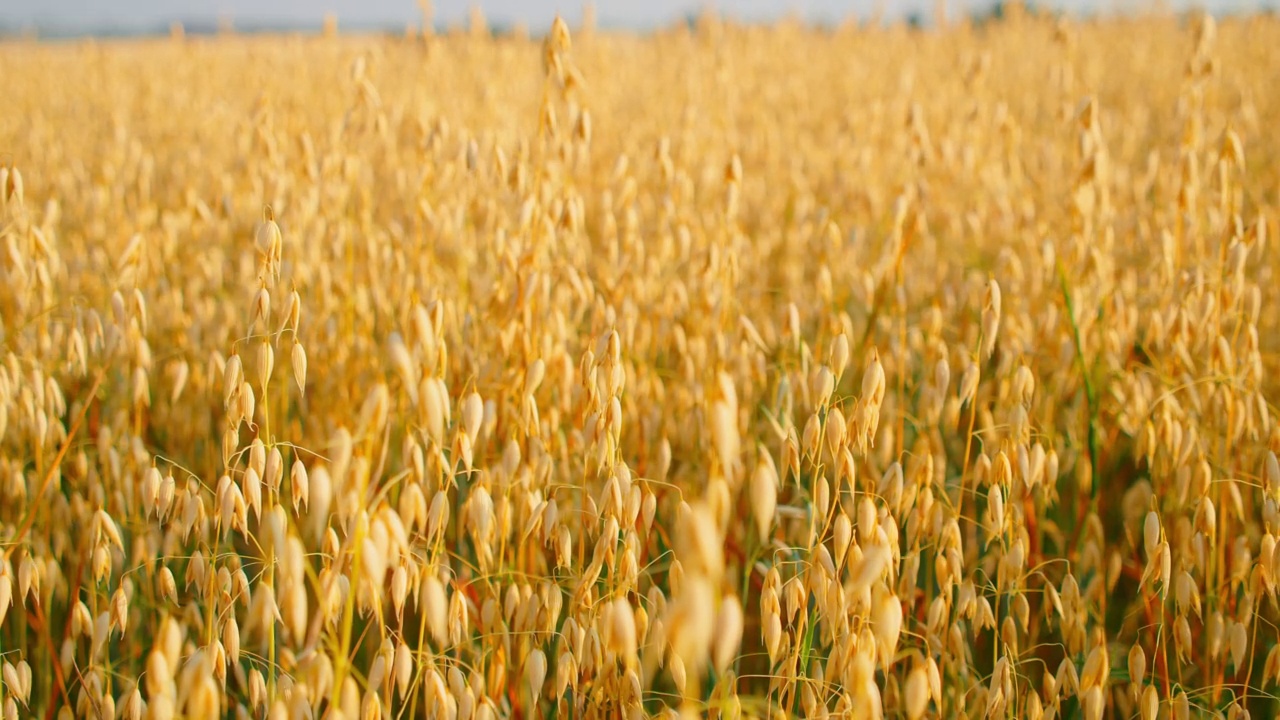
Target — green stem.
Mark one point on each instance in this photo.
(348, 612)
(1090, 395)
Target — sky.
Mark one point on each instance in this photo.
(139, 15)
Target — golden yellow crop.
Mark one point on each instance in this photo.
(726, 371)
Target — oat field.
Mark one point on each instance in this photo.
(723, 371)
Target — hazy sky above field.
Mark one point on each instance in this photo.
(537, 14)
